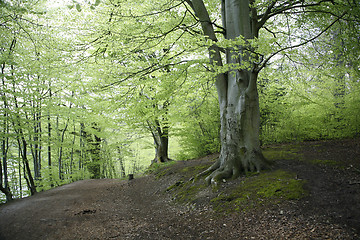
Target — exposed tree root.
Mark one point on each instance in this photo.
(252, 161)
(218, 175)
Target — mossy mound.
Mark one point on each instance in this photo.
(259, 190)
(189, 188)
(248, 192)
(160, 169)
(187, 192)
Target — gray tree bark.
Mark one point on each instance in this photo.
(161, 140)
(237, 92)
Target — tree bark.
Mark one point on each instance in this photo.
(121, 161)
(93, 147)
(27, 171)
(20, 137)
(237, 92)
(4, 182)
(3, 167)
(161, 141)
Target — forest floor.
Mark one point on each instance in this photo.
(146, 207)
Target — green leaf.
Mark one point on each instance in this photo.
(97, 2)
(78, 7)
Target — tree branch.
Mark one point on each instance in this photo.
(265, 16)
(300, 44)
(271, 11)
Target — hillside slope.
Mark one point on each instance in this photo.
(156, 206)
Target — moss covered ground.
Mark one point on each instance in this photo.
(251, 191)
(261, 189)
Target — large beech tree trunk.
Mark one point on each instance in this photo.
(237, 91)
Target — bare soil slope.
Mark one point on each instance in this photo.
(143, 209)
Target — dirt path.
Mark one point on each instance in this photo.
(93, 209)
(139, 209)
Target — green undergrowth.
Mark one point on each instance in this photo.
(266, 188)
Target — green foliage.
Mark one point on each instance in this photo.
(308, 104)
(50, 178)
(199, 130)
(43, 108)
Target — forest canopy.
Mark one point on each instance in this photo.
(104, 88)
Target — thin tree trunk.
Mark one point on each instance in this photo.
(49, 133)
(39, 127)
(82, 145)
(60, 160)
(23, 150)
(36, 146)
(20, 181)
(5, 145)
(122, 165)
(3, 167)
(22, 144)
(72, 150)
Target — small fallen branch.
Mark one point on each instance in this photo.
(353, 183)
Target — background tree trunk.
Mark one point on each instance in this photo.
(93, 147)
(161, 141)
(27, 171)
(4, 183)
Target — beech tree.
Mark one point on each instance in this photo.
(246, 39)
(243, 22)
